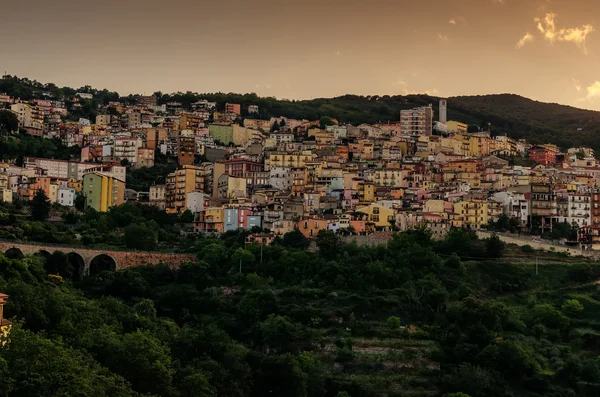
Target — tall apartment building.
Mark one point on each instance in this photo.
(185, 180)
(31, 117)
(417, 121)
(186, 150)
(127, 149)
(190, 121)
(102, 191)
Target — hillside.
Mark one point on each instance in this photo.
(509, 114)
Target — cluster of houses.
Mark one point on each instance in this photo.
(236, 170)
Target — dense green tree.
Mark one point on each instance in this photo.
(328, 242)
(494, 247)
(295, 239)
(140, 237)
(40, 206)
(572, 307)
(8, 122)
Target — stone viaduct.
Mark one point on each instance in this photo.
(89, 261)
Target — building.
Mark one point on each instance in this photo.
(473, 213)
(543, 207)
(5, 191)
(185, 180)
(145, 157)
(127, 149)
(157, 196)
(222, 133)
(66, 196)
(543, 154)
(456, 126)
(190, 121)
(102, 191)
(197, 201)
(253, 109)
(31, 118)
(233, 108)
(186, 150)
(103, 119)
(418, 121)
(5, 325)
(146, 101)
(443, 117)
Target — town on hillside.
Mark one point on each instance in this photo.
(234, 170)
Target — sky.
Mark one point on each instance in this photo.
(547, 50)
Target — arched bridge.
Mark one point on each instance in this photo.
(89, 261)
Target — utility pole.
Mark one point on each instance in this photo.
(536, 266)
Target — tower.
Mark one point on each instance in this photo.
(443, 111)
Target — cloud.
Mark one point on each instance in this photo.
(577, 85)
(498, 1)
(593, 91)
(457, 21)
(337, 53)
(524, 40)
(576, 35)
(399, 83)
(442, 37)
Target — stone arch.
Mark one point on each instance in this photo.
(14, 253)
(42, 253)
(78, 264)
(102, 263)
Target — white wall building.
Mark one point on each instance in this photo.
(66, 196)
(195, 201)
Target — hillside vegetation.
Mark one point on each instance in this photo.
(408, 319)
(516, 116)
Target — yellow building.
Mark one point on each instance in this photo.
(75, 184)
(456, 126)
(296, 159)
(103, 191)
(213, 218)
(5, 325)
(437, 207)
(388, 177)
(473, 213)
(366, 192)
(185, 180)
(377, 214)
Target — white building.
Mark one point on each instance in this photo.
(29, 116)
(126, 149)
(514, 204)
(280, 178)
(66, 196)
(195, 201)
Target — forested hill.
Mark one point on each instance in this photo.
(516, 116)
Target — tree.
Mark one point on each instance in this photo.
(393, 322)
(328, 242)
(139, 236)
(325, 121)
(572, 308)
(40, 206)
(8, 121)
(494, 247)
(295, 239)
